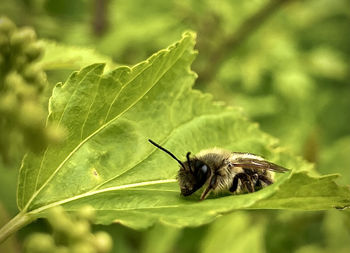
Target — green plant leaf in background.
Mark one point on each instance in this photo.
(106, 161)
(241, 227)
(74, 57)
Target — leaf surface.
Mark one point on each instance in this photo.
(107, 162)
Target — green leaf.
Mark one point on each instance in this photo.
(236, 232)
(303, 192)
(107, 162)
(335, 158)
(166, 237)
(61, 57)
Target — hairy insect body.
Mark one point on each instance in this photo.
(217, 170)
(236, 180)
(218, 161)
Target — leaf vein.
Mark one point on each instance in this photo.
(88, 194)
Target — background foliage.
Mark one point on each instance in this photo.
(288, 68)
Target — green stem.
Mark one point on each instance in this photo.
(18, 222)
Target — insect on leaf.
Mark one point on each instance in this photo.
(107, 162)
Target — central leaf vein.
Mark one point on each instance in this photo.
(91, 193)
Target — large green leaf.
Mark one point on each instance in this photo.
(106, 161)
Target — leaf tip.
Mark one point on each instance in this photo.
(190, 33)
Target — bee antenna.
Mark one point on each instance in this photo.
(188, 160)
(168, 152)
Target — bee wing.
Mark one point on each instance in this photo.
(251, 163)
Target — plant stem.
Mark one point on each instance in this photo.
(19, 221)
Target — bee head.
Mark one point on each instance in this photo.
(192, 174)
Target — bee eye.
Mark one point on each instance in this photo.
(204, 169)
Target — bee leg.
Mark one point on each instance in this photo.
(249, 186)
(234, 186)
(255, 181)
(205, 193)
(265, 179)
(255, 178)
(211, 186)
(246, 181)
(258, 184)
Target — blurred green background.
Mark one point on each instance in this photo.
(286, 63)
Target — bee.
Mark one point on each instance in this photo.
(218, 170)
